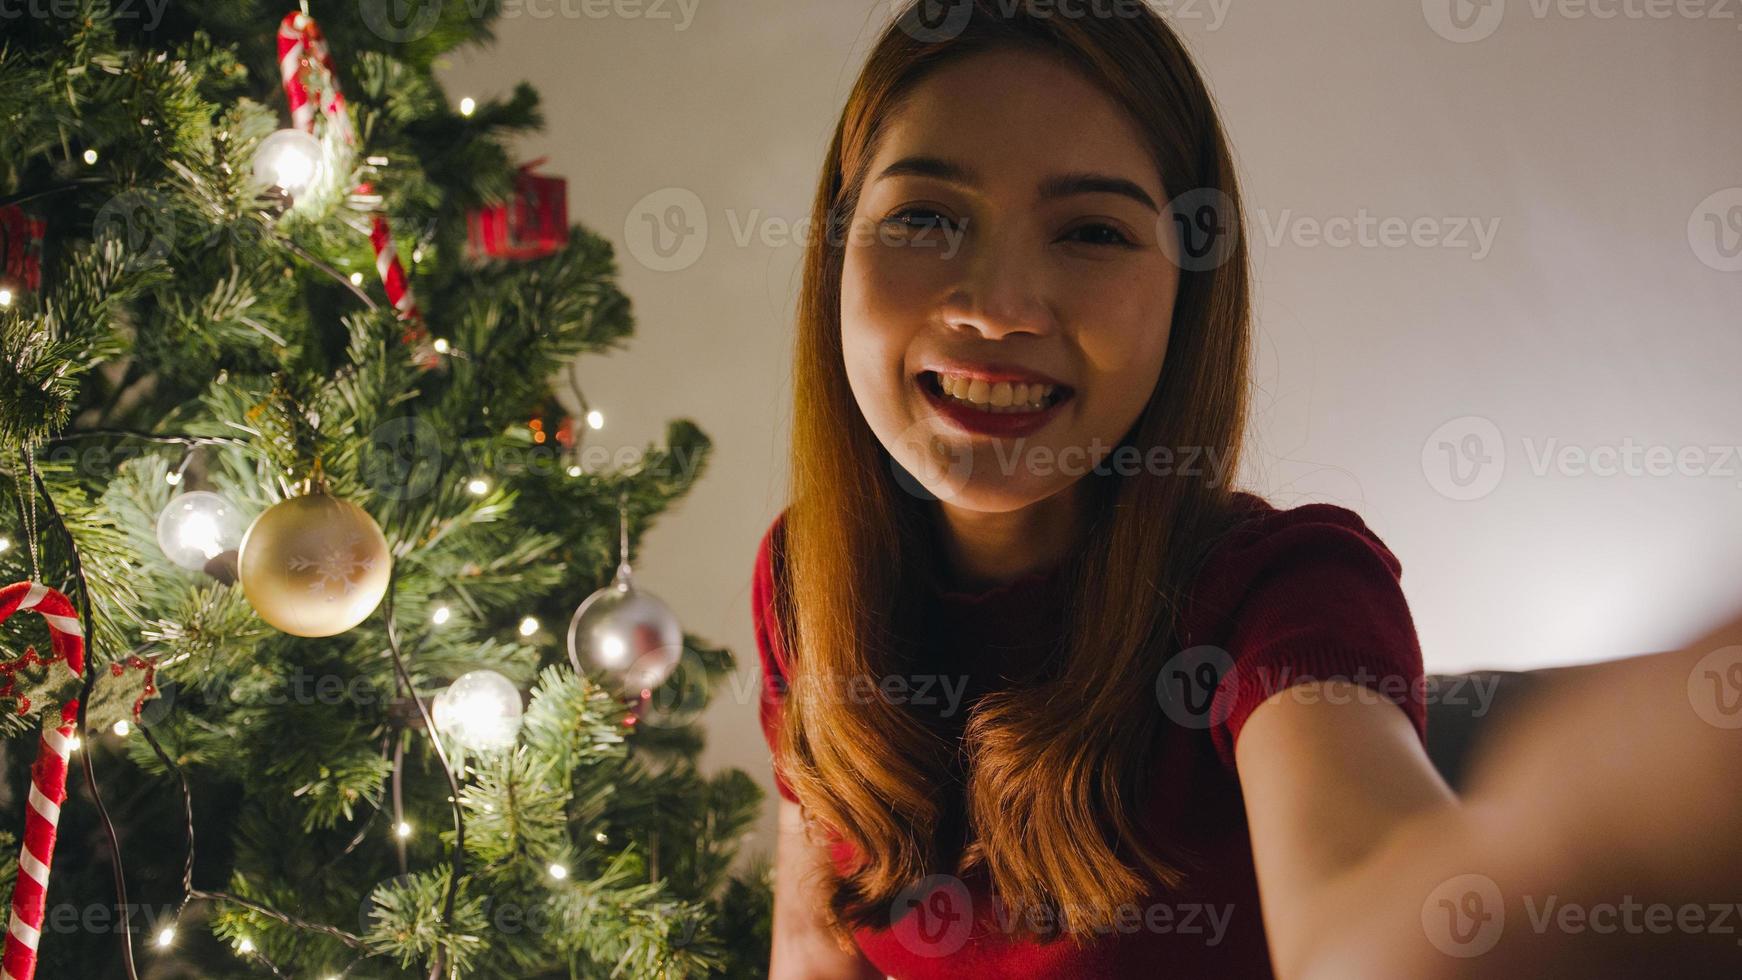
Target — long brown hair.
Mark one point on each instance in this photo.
(1041, 786)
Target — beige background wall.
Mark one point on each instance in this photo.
(1602, 310)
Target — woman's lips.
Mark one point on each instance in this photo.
(976, 421)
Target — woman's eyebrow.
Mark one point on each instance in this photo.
(1057, 186)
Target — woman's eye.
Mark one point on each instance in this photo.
(917, 219)
(1103, 234)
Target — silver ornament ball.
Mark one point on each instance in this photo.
(627, 634)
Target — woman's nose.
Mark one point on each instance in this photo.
(1002, 291)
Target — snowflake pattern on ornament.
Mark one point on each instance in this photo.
(336, 567)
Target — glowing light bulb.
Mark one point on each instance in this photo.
(90, 157)
(196, 527)
(595, 419)
(574, 471)
(403, 830)
(440, 615)
(289, 159)
(441, 345)
(245, 946)
(468, 105)
(478, 487)
(481, 710)
(528, 626)
(356, 279)
(173, 479)
(166, 936)
(5, 296)
(558, 872)
(5, 542)
(122, 728)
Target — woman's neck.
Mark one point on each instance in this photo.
(983, 550)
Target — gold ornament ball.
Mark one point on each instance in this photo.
(314, 565)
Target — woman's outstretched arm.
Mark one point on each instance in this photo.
(1600, 833)
(803, 949)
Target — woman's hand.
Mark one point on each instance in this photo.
(1599, 836)
(803, 949)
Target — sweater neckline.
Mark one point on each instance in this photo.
(1021, 585)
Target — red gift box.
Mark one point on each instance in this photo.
(20, 248)
(533, 223)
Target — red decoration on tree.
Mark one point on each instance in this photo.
(20, 248)
(302, 49)
(48, 776)
(552, 423)
(531, 224)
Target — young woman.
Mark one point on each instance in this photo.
(1046, 695)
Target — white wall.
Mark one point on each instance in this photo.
(1596, 317)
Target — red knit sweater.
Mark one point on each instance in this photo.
(1288, 595)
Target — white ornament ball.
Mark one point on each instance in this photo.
(481, 710)
(197, 527)
(290, 159)
(314, 565)
(628, 635)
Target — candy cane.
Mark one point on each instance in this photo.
(301, 44)
(48, 780)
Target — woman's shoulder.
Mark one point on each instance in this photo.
(1275, 568)
(1260, 536)
(1294, 594)
(769, 558)
(764, 592)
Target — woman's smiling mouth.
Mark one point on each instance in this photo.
(995, 408)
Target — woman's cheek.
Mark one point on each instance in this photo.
(874, 340)
(1122, 362)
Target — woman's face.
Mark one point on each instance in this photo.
(1008, 236)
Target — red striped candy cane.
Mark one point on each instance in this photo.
(48, 780)
(301, 45)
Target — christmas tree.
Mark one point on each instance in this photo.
(303, 512)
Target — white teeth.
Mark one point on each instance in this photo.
(999, 397)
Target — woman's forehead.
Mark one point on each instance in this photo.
(1014, 117)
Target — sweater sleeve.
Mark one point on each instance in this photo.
(769, 647)
(1315, 595)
